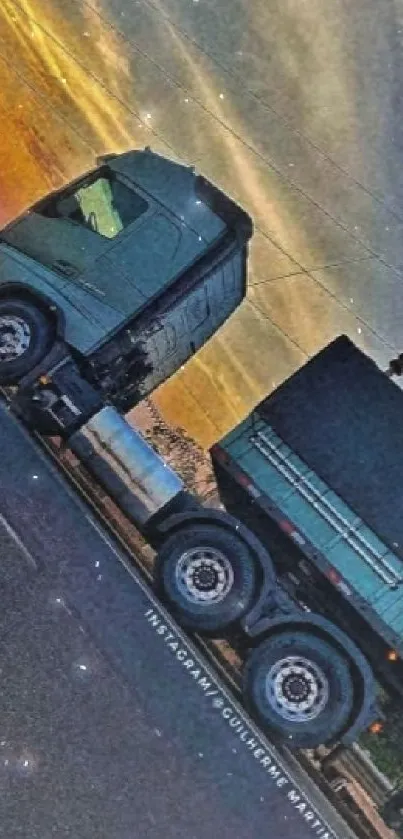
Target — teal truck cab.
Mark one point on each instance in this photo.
(132, 268)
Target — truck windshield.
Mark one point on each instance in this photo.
(105, 205)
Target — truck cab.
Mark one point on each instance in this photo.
(134, 265)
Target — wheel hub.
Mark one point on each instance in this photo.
(15, 337)
(297, 688)
(204, 575)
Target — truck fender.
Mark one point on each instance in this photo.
(365, 705)
(24, 291)
(202, 515)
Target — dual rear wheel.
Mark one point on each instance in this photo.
(297, 685)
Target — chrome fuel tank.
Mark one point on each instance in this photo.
(132, 473)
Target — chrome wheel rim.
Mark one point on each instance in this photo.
(204, 575)
(297, 689)
(15, 337)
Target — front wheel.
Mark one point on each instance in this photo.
(25, 337)
(208, 576)
(300, 688)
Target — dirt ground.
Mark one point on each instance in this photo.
(178, 449)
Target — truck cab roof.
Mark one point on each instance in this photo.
(105, 247)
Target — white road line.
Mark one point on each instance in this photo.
(204, 664)
(11, 532)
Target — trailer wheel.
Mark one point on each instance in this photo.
(25, 337)
(300, 687)
(208, 576)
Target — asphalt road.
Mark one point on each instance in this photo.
(112, 722)
(294, 108)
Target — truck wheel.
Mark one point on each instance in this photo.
(208, 576)
(25, 337)
(300, 687)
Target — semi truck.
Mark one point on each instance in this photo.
(301, 564)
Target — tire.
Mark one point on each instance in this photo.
(301, 661)
(215, 601)
(25, 337)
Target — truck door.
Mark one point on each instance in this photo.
(143, 246)
(95, 217)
